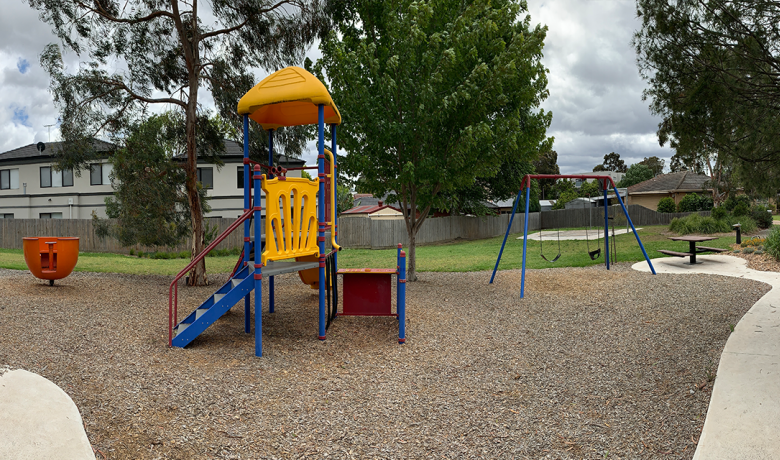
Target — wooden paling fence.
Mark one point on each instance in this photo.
(354, 232)
(13, 230)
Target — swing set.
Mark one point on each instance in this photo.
(594, 254)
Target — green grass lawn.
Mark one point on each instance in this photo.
(460, 256)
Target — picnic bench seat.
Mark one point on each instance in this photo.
(675, 253)
(709, 249)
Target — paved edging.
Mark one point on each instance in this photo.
(744, 412)
(39, 421)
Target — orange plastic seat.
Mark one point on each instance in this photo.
(51, 258)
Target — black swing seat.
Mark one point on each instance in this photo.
(551, 261)
(595, 254)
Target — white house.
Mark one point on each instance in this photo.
(30, 188)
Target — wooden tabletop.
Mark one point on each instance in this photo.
(693, 238)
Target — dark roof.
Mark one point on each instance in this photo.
(236, 149)
(679, 181)
(31, 151)
(368, 209)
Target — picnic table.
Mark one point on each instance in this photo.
(693, 249)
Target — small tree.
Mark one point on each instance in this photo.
(150, 203)
(655, 164)
(565, 197)
(635, 174)
(667, 204)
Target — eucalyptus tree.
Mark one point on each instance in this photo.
(436, 96)
(713, 69)
(134, 54)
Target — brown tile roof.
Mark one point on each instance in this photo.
(679, 181)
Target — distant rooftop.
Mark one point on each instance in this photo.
(683, 181)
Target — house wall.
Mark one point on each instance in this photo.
(81, 199)
(76, 202)
(650, 200)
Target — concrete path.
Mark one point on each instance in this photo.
(39, 421)
(743, 419)
(575, 234)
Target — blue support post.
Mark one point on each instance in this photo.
(508, 228)
(246, 222)
(398, 273)
(525, 236)
(258, 272)
(335, 209)
(606, 224)
(321, 215)
(401, 307)
(271, 295)
(625, 211)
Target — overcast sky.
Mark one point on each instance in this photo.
(595, 89)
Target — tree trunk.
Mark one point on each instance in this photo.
(197, 275)
(411, 271)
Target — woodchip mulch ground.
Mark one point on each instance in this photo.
(591, 364)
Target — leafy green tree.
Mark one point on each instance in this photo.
(599, 168)
(565, 197)
(667, 205)
(143, 52)
(344, 200)
(612, 162)
(655, 164)
(590, 189)
(547, 163)
(561, 186)
(435, 96)
(149, 204)
(712, 68)
(635, 174)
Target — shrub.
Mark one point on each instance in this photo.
(772, 243)
(748, 224)
(762, 217)
(748, 251)
(140, 254)
(184, 255)
(132, 251)
(741, 209)
(694, 202)
(666, 205)
(719, 213)
(695, 223)
(733, 201)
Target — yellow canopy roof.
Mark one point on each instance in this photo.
(288, 97)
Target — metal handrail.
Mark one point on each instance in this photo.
(173, 290)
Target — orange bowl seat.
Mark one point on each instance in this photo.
(51, 258)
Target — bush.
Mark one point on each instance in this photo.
(748, 224)
(762, 216)
(132, 251)
(748, 251)
(666, 205)
(719, 213)
(741, 209)
(140, 254)
(733, 201)
(772, 243)
(695, 223)
(694, 202)
(184, 255)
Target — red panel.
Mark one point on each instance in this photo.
(367, 293)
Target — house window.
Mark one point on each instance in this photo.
(99, 174)
(6, 216)
(9, 178)
(240, 178)
(206, 177)
(50, 215)
(45, 176)
(51, 178)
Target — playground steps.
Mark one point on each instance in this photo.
(241, 284)
(213, 308)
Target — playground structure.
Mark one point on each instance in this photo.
(300, 233)
(51, 257)
(604, 180)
